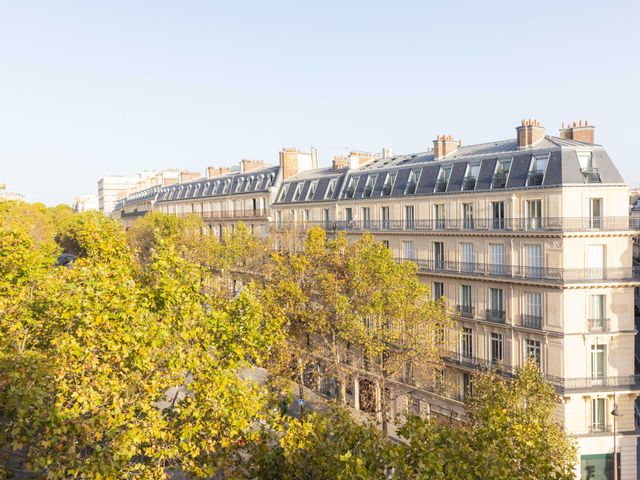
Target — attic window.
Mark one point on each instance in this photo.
(471, 176)
(389, 182)
(312, 190)
(501, 173)
(368, 187)
(249, 184)
(412, 183)
(589, 173)
(239, 184)
(537, 168)
(226, 186)
(283, 192)
(216, 184)
(351, 187)
(298, 193)
(331, 188)
(443, 178)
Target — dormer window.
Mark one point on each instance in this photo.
(312, 190)
(589, 173)
(471, 176)
(283, 192)
(331, 188)
(412, 183)
(216, 184)
(226, 186)
(443, 178)
(249, 184)
(239, 184)
(389, 182)
(368, 187)
(537, 169)
(298, 193)
(501, 173)
(351, 187)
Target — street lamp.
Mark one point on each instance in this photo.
(615, 413)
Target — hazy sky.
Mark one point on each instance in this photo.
(90, 88)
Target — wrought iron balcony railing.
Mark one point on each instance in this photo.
(591, 175)
(497, 316)
(499, 180)
(466, 310)
(521, 224)
(534, 178)
(469, 183)
(241, 213)
(531, 321)
(545, 274)
(562, 385)
(598, 324)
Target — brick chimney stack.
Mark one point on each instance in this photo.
(340, 162)
(529, 132)
(217, 171)
(293, 161)
(251, 165)
(444, 145)
(579, 131)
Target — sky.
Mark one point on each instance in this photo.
(90, 89)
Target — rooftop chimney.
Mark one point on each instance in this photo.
(579, 131)
(293, 161)
(529, 132)
(387, 152)
(251, 165)
(443, 146)
(340, 162)
(217, 171)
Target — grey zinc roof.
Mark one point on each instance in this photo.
(563, 168)
(235, 183)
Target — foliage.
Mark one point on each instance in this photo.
(327, 446)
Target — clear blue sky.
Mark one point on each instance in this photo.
(90, 88)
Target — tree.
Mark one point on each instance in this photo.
(510, 434)
(330, 446)
(110, 372)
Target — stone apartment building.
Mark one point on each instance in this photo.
(529, 239)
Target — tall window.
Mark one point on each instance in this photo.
(438, 213)
(438, 255)
(409, 253)
(348, 214)
(595, 213)
(533, 350)
(326, 218)
(467, 216)
(307, 217)
(438, 290)
(533, 261)
(466, 255)
(409, 217)
(496, 304)
(598, 313)
(466, 304)
(497, 259)
(366, 217)
(497, 347)
(532, 310)
(497, 215)
(598, 414)
(384, 216)
(466, 342)
(598, 361)
(534, 214)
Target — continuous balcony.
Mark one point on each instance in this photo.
(240, 213)
(495, 225)
(562, 385)
(542, 274)
(467, 311)
(496, 316)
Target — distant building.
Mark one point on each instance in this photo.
(114, 187)
(84, 203)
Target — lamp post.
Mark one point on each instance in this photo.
(615, 413)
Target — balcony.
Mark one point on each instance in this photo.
(134, 214)
(591, 175)
(541, 274)
(534, 178)
(466, 311)
(441, 186)
(598, 325)
(519, 224)
(496, 316)
(499, 180)
(531, 321)
(469, 183)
